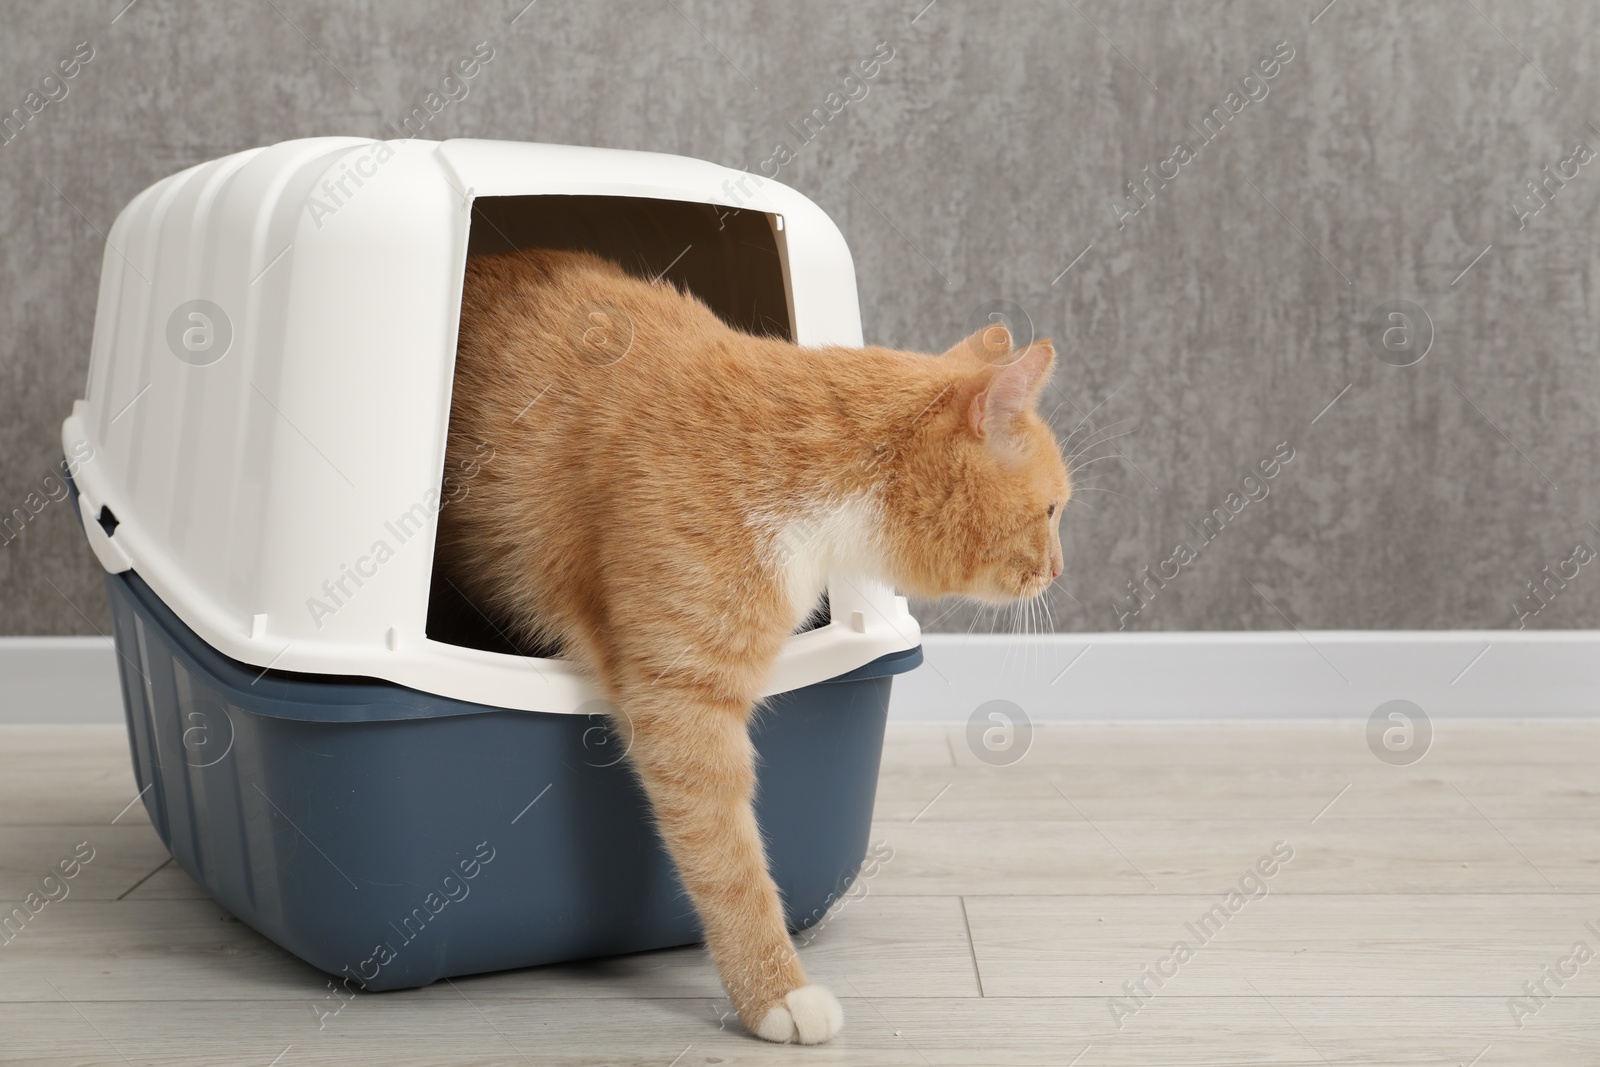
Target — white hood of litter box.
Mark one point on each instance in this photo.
(246, 482)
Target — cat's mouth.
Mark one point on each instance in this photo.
(1029, 585)
(1034, 585)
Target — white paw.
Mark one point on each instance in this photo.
(809, 1015)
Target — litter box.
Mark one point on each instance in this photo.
(348, 756)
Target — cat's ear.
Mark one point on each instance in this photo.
(992, 344)
(1012, 389)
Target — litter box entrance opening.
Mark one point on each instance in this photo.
(732, 259)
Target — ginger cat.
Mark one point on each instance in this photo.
(670, 508)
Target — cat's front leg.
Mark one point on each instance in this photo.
(691, 749)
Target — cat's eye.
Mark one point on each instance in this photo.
(1050, 513)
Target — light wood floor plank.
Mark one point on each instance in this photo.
(1294, 945)
(1268, 744)
(918, 746)
(66, 775)
(122, 855)
(1415, 906)
(1188, 856)
(1050, 792)
(886, 946)
(193, 949)
(403, 1028)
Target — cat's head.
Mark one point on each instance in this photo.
(976, 507)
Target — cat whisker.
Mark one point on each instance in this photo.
(1057, 587)
(1028, 628)
(955, 603)
(1033, 624)
(1021, 630)
(1072, 458)
(1097, 407)
(1076, 483)
(1089, 446)
(977, 613)
(1043, 624)
(1078, 467)
(1013, 613)
(1100, 429)
(1091, 443)
(1084, 422)
(1092, 429)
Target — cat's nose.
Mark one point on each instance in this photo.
(1055, 571)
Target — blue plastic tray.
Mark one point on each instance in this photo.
(394, 837)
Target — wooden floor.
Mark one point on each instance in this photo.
(1017, 903)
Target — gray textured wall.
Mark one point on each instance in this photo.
(1215, 323)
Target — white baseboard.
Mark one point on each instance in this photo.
(1272, 675)
(1078, 677)
(59, 680)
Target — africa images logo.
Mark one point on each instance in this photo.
(199, 332)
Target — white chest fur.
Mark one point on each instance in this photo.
(835, 539)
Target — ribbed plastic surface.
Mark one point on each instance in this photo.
(395, 838)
